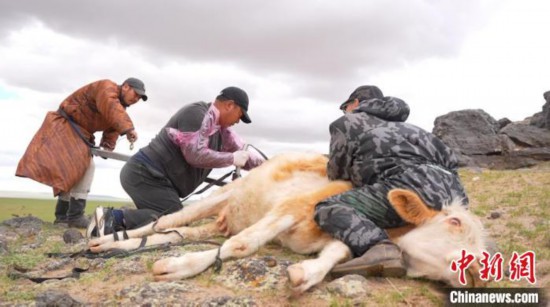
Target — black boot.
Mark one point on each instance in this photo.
(61, 211)
(75, 214)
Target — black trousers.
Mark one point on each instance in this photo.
(151, 191)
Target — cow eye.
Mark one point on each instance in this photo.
(454, 221)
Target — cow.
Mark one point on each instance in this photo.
(276, 202)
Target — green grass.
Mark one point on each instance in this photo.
(44, 208)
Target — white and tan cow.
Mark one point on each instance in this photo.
(276, 201)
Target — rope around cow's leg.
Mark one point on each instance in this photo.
(167, 231)
(218, 262)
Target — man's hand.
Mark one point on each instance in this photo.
(107, 146)
(132, 136)
(240, 157)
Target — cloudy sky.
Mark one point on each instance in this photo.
(298, 60)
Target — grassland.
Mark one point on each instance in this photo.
(43, 208)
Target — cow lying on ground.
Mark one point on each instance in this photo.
(275, 202)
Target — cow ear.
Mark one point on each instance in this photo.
(410, 206)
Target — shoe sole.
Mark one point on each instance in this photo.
(391, 268)
(96, 222)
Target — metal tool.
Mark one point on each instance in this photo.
(109, 154)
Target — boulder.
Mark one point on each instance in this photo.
(481, 141)
(527, 136)
(470, 133)
(503, 122)
(542, 119)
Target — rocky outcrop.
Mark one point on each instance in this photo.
(481, 141)
(542, 119)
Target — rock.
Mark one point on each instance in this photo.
(527, 135)
(495, 215)
(349, 286)
(503, 122)
(470, 132)
(56, 298)
(18, 222)
(480, 141)
(25, 226)
(72, 235)
(542, 119)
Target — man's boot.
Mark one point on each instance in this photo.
(383, 259)
(61, 211)
(75, 214)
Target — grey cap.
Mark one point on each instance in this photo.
(138, 86)
(240, 98)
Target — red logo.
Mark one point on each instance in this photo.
(523, 266)
(462, 265)
(520, 266)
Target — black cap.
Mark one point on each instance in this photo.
(240, 98)
(363, 92)
(138, 86)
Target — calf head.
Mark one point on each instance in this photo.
(439, 239)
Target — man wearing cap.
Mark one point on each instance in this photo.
(373, 147)
(195, 140)
(59, 154)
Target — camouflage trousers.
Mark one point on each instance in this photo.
(357, 217)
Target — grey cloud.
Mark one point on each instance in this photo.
(322, 50)
(321, 41)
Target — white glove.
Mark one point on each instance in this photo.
(240, 157)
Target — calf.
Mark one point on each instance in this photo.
(276, 201)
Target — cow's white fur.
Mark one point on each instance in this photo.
(453, 227)
(275, 202)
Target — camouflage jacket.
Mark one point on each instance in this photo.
(374, 146)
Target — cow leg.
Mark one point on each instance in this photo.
(207, 207)
(189, 233)
(133, 233)
(204, 208)
(243, 244)
(310, 272)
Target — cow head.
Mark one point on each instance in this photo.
(439, 239)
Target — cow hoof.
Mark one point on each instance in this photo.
(96, 249)
(295, 275)
(100, 240)
(161, 266)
